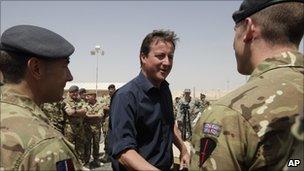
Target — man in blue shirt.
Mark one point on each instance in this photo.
(142, 127)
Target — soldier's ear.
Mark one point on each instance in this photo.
(36, 68)
(251, 30)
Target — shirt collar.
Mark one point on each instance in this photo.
(146, 84)
(285, 59)
(15, 97)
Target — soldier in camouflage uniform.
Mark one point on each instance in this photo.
(92, 127)
(82, 94)
(175, 105)
(33, 71)
(54, 111)
(75, 109)
(193, 105)
(204, 102)
(248, 129)
(105, 126)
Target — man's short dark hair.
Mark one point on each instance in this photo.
(162, 35)
(111, 86)
(13, 66)
(281, 23)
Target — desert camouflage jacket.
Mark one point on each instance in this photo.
(28, 142)
(249, 128)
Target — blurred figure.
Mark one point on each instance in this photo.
(82, 94)
(92, 127)
(188, 109)
(75, 109)
(204, 102)
(55, 112)
(105, 126)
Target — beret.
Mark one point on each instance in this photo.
(82, 90)
(111, 86)
(249, 7)
(35, 41)
(73, 88)
(187, 90)
(91, 92)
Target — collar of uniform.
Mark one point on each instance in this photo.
(285, 59)
(15, 97)
(146, 84)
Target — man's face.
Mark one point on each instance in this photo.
(203, 97)
(82, 95)
(158, 63)
(56, 75)
(187, 94)
(111, 91)
(74, 94)
(91, 98)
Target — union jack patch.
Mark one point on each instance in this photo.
(212, 129)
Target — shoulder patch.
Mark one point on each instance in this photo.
(65, 165)
(212, 129)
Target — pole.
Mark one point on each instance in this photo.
(96, 73)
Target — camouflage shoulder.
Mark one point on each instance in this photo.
(50, 154)
(262, 101)
(16, 139)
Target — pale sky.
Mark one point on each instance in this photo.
(204, 57)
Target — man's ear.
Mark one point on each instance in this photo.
(36, 68)
(143, 58)
(251, 30)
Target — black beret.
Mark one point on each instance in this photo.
(82, 90)
(111, 86)
(249, 7)
(73, 88)
(35, 41)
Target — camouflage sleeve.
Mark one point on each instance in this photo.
(233, 137)
(69, 108)
(50, 154)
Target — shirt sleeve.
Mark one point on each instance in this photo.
(236, 141)
(123, 133)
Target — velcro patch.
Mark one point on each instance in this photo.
(65, 165)
(212, 129)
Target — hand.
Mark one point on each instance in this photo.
(184, 159)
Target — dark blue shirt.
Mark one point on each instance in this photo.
(141, 118)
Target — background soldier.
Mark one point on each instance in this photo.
(105, 126)
(34, 64)
(187, 106)
(55, 112)
(75, 109)
(204, 102)
(92, 127)
(248, 129)
(82, 94)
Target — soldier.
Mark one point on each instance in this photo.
(204, 102)
(105, 126)
(92, 127)
(1, 79)
(175, 105)
(75, 109)
(54, 111)
(34, 62)
(248, 129)
(82, 94)
(189, 105)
